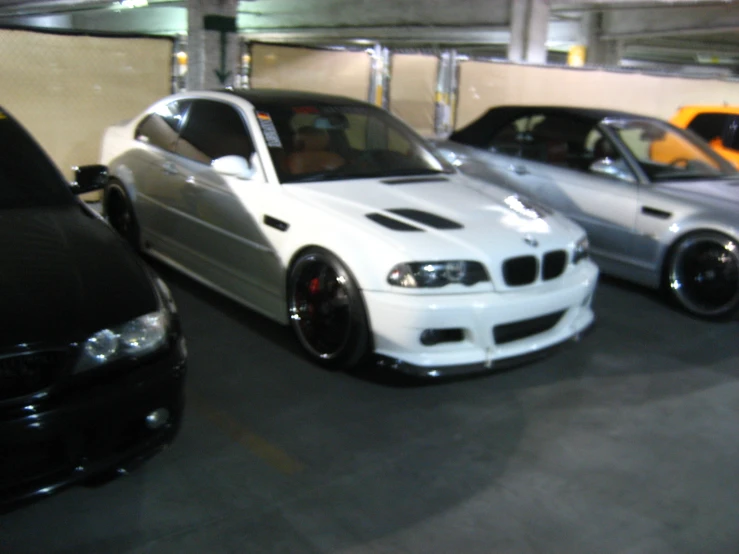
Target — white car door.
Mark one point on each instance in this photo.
(153, 165)
(222, 223)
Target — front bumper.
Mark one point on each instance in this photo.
(91, 434)
(493, 327)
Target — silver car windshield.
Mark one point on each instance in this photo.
(666, 153)
(319, 142)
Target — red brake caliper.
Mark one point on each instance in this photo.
(314, 287)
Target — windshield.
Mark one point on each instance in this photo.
(27, 177)
(666, 153)
(323, 142)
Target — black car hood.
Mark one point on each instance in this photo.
(65, 274)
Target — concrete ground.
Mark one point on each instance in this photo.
(627, 442)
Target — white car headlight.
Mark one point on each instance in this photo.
(135, 338)
(581, 251)
(436, 274)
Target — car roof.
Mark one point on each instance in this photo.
(291, 97)
(501, 115)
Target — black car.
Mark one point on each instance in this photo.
(92, 359)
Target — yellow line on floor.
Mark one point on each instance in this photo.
(259, 446)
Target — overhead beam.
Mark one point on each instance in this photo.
(370, 35)
(649, 23)
(558, 32)
(153, 20)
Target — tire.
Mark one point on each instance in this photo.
(326, 310)
(702, 274)
(119, 213)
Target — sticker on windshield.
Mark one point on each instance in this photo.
(269, 131)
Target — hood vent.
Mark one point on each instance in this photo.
(391, 223)
(426, 218)
(409, 180)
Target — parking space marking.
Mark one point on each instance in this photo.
(259, 446)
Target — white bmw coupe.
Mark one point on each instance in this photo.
(332, 216)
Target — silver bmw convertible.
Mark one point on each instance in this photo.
(660, 208)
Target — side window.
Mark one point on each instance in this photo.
(559, 140)
(213, 130)
(512, 138)
(603, 158)
(709, 125)
(398, 143)
(160, 128)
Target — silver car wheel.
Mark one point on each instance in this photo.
(703, 274)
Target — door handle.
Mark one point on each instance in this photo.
(655, 212)
(191, 181)
(169, 168)
(518, 169)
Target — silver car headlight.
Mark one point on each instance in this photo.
(138, 337)
(436, 274)
(581, 251)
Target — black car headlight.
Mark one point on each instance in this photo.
(138, 337)
(581, 251)
(135, 338)
(436, 274)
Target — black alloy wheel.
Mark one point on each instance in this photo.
(703, 274)
(119, 213)
(326, 310)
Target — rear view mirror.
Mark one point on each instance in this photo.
(233, 166)
(89, 178)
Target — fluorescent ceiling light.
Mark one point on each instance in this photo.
(134, 3)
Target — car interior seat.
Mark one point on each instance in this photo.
(311, 154)
(551, 144)
(603, 148)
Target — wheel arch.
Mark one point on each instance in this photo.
(367, 257)
(367, 323)
(120, 176)
(690, 227)
(689, 303)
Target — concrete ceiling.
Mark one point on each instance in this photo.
(669, 34)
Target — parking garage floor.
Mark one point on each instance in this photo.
(627, 442)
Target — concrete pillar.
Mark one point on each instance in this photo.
(529, 25)
(380, 77)
(446, 93)
(212, 43)
(599, 51)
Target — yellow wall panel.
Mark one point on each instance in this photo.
(328, 71)
(485, 84)
(413, 90)
(66, 89)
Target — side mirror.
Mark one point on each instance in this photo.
(612, 168)
(233, 166)
(450, 156)
(89, 178)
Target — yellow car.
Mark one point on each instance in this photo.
(717, 125)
